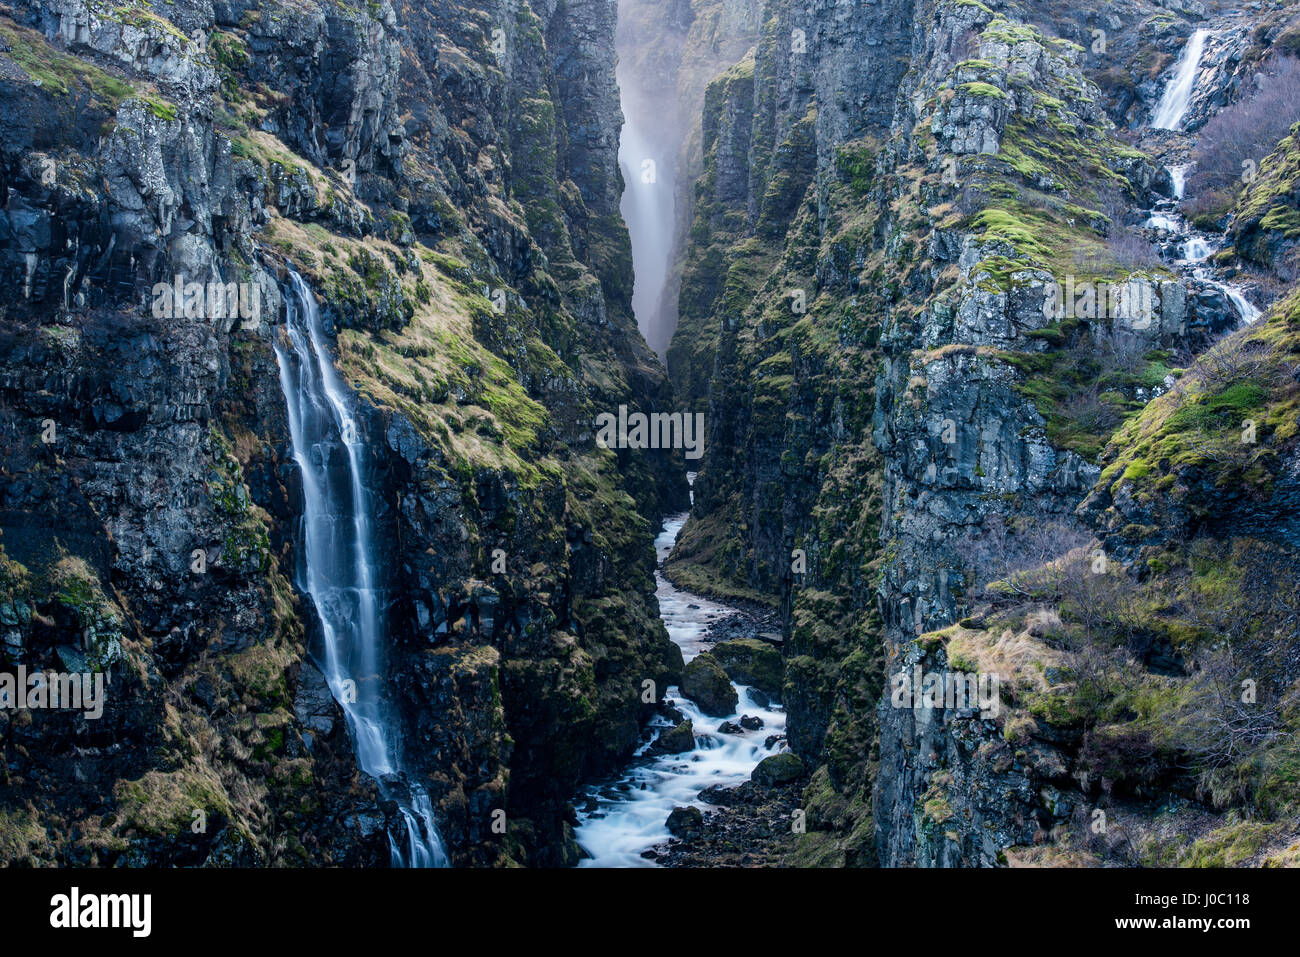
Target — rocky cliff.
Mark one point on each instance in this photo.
(444, 176)
(902, 432)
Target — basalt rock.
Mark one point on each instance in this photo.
(454, 208)
(706, 683)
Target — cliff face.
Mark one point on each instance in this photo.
(900, 432)
(779, 336)
(445, 177)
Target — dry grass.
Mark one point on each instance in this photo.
(1017, 657)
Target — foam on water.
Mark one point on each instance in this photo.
(632, 809)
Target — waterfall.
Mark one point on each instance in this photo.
(1178, 94)
(1178, 176)
(1246, 310)
(647, 157)
(339, 569)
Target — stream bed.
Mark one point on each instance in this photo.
(625, 816)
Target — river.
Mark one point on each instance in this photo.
(626, 815)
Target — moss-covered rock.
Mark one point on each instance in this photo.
(749, 661)
(677, 740)
(705, 682)
(778, 769)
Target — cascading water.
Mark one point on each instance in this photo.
(646, 156)
(626, 817)
(1189, 248)
(1178, 94)
(1178, 176)
(339, 568)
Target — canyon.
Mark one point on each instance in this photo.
(380, 580)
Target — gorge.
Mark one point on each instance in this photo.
(372, 581)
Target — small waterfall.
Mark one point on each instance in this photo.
(1192, 247)
(1178, 175)
(1178, 94)
(1247, 310)
(339, 569)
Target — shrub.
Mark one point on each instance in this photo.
(1246, 131)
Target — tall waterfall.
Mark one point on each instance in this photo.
(339, 568)
(1178, 94)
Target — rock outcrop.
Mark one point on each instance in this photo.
(903, 411)
(445, 178)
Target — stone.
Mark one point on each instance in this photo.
(778, 769)
(677, 740)
(705, 682)
(685, 821)
(749, 661)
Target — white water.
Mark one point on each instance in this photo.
(633, 809)
(1194, 247)
(1196, 250)
(1245, 309)
(1178, 93)
(339, 569)
(1179, 176)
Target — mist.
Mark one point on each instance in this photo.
(650, 149)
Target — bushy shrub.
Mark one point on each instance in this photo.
(1243, 133)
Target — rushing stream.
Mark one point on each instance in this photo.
(339, 569)
(629, 812)
(1189, 249)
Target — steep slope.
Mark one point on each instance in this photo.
(444, 176)
(899, 413)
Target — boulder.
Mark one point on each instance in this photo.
(685, 821)
(778, 769)
(706, 683)
(677, 740)
(719, 795)
(752, 662)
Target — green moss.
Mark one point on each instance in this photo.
(1223, 409)
(23, 838)
(1231, 846)
(1004, 225)
(163, 803)
(984, 90)
(856, 164)
(140, 15)
(60, 73)
(160, 108)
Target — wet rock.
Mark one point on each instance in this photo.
(778, 769)
(718, 795)
(730, 727)
(685, 821)
(751, 722)
(705, 683)
(676, 740)
(749, 661)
